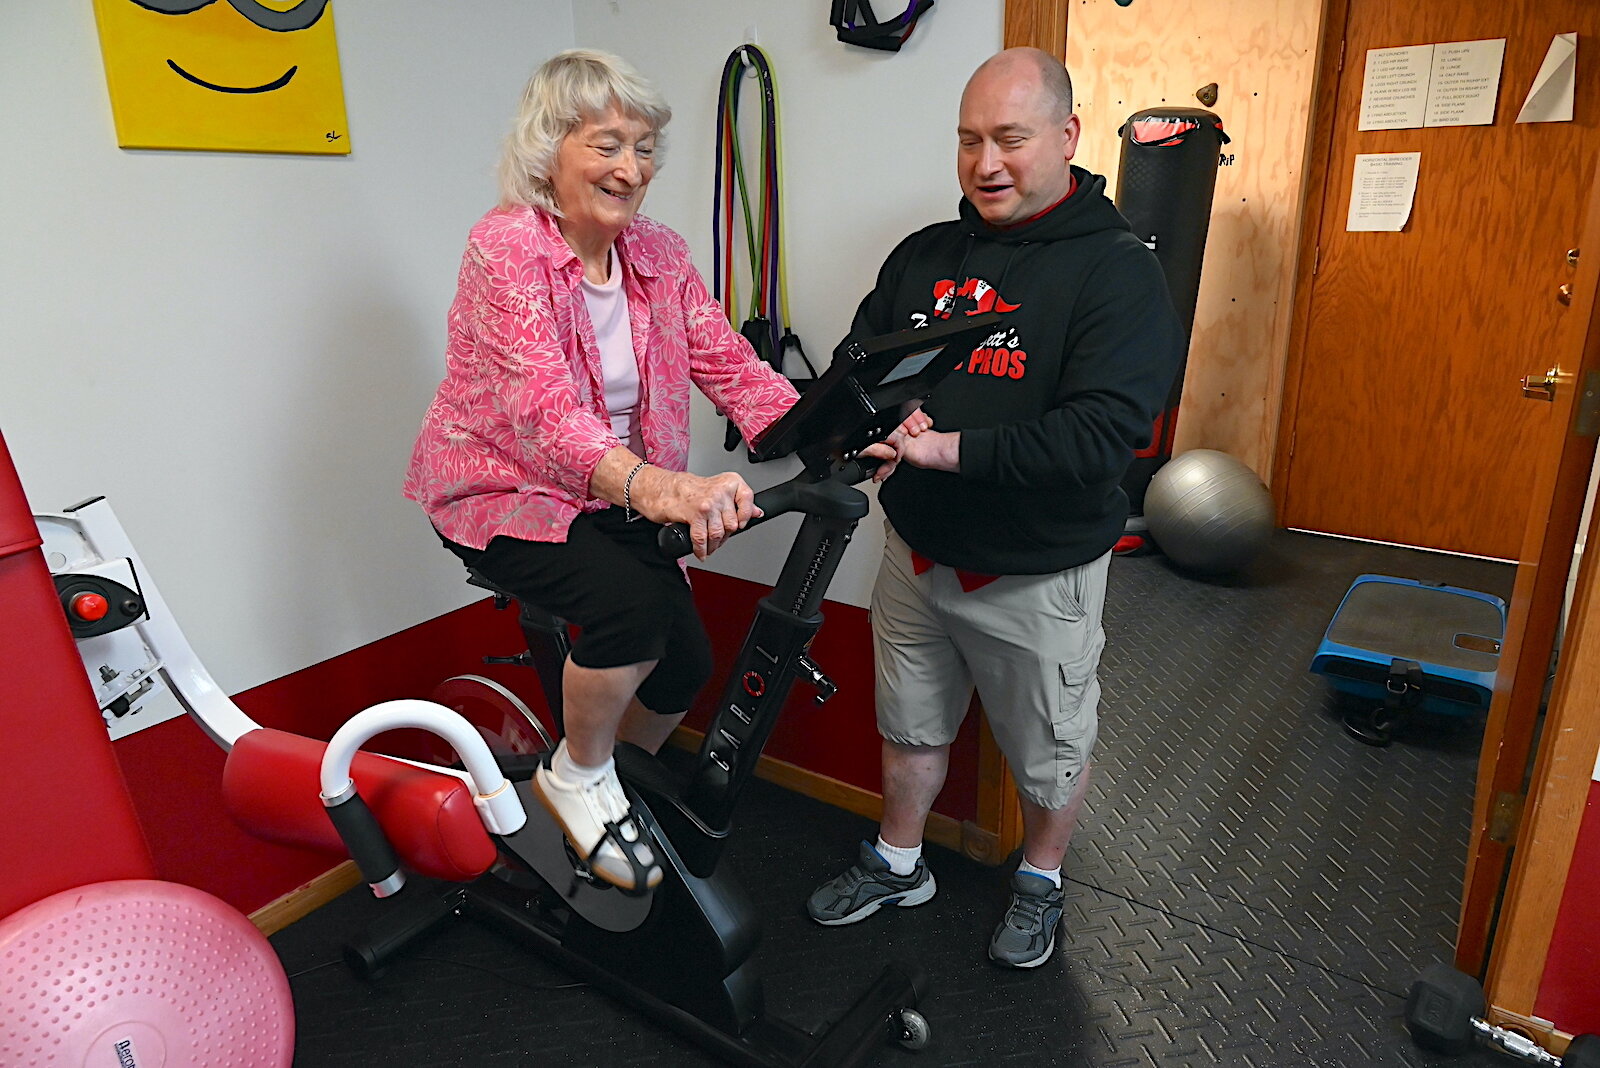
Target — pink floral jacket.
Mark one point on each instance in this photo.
(519, 423)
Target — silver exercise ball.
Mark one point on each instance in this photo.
(1208, 511)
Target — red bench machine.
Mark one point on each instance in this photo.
(102, 962)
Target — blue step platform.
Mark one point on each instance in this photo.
(1404, 644)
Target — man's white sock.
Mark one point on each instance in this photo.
(901, 861)
(1053, 874)
(573, 774)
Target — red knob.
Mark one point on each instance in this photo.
(90, 606)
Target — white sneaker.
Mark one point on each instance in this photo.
(598, 821)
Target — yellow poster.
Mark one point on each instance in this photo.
(228, 75)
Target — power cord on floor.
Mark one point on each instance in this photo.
(535, 987)
(1265, 946)
(314, 968)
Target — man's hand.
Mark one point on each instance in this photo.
(915, 442)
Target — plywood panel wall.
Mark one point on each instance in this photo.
(1262, 55)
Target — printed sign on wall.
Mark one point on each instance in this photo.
(225, 75)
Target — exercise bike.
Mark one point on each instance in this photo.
(682, 953)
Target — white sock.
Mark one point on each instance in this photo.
(901, 861)
(1053, 874)
(572, 773)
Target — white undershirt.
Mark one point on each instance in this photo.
(608, 311)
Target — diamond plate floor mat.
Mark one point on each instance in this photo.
(1249, 886)
(1229, 792)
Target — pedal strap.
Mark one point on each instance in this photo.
(629, 851)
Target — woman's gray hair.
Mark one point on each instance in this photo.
(568, 88)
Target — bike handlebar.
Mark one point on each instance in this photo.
(800, 493)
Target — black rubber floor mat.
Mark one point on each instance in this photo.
(1248, 887)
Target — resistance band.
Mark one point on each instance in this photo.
(857, 25)
(767, 324)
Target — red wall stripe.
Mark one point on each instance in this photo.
(174, 772)
(840, 738)
(1569, 993)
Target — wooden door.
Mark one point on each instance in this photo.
(1408, 424)
(1558, 479)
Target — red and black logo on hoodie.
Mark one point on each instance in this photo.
(980, 297)
(1000, 355)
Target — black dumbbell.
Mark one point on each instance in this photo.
(1444, 1013)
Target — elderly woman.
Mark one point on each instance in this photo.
(556, 445)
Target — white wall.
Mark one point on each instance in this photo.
(868, 155)
(237, 349)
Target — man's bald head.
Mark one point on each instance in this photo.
(1035, 65)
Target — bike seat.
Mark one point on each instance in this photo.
(476, 578)
(531, 613)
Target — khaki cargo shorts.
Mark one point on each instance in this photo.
(1029, 643)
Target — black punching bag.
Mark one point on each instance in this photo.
(1167, 176)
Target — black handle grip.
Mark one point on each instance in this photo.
(369, 846)
(673, 540)
(418, 910)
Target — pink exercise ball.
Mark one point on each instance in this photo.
(143, 973)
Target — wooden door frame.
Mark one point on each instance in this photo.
(1501, 812)
(1548, 826)
(1037, 24)
(1558, 789)
(1557, 799)
(1313, 203)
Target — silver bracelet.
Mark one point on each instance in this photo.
(627, 492)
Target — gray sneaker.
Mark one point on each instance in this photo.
(1027, 934)
(867, 886)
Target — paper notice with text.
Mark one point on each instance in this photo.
(1394, 91)
(1382, 189)
(1465, 83)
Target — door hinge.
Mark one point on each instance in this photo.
(1316, 259)
(1293, 435)
(1586, 423)
(1504, 817)
(1341, 55)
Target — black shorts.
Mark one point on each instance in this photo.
(629, 604)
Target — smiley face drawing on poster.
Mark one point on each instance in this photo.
(224, 75)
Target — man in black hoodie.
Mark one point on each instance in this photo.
(1008, 498)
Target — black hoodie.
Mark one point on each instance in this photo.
(1051, 406)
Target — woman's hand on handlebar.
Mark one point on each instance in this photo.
(713, 508)
(892, 449)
